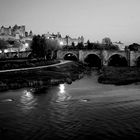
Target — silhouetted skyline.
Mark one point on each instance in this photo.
(94, 19)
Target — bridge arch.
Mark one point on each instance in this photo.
(70, 56)
(93, 60)
(117, 60)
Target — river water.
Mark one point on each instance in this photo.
(83, 110)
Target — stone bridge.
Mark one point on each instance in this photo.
(102, 57)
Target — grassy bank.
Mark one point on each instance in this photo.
(24, 63)
(119, 75)
(41, 77)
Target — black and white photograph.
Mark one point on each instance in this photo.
(69, 69)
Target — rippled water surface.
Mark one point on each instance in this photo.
(82, 110)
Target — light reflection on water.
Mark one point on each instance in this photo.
(62, 94)
(27, 100)
(84, 108)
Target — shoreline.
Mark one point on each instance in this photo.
(25, 64)
(40, 78)
(50, 75)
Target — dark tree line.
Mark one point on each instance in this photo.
(38, 46)
(3, 45)
(133, 47)
(105, 45)
(92, 46)
(43, 48)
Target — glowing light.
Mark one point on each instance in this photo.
(27, 95)
(62, 94)
(28, 102)
(0, 51)
(26, 45)
(62, 88)
(5, 51)
(61, 43)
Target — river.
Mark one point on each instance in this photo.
(84, 109)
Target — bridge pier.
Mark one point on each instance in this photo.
(81, 58)
(133, 58)
(104, 58)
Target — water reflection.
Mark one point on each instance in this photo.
(27, 100)
(92, 111)
(7, 100)
(62, 95)
(62, 88)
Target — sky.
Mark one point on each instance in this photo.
(94, 19)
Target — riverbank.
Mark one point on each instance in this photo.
(119, 75)
(25, 63)
(39, 78)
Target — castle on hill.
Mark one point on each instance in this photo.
(15, 31)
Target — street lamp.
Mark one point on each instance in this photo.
(26, 45)
(61, 43)
(5, 51)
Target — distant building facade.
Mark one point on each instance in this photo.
(15, 31)
(16, 34)
(120, 45)
(70, 40)
(67, 40)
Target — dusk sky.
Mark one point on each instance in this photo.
(94, 19)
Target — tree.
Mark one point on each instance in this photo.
(88, 42)
(3, 45)
(80, 45)
(106, 41)
(111, 47)
(51, 47)
(89, 45)
(42, 47)
(134, 47)
(38, 46)
(73, 44)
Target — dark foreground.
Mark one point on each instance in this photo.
(41, 78)
(119, 75)
(66, 73)
(81, 110)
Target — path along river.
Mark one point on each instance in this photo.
(84, 109)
